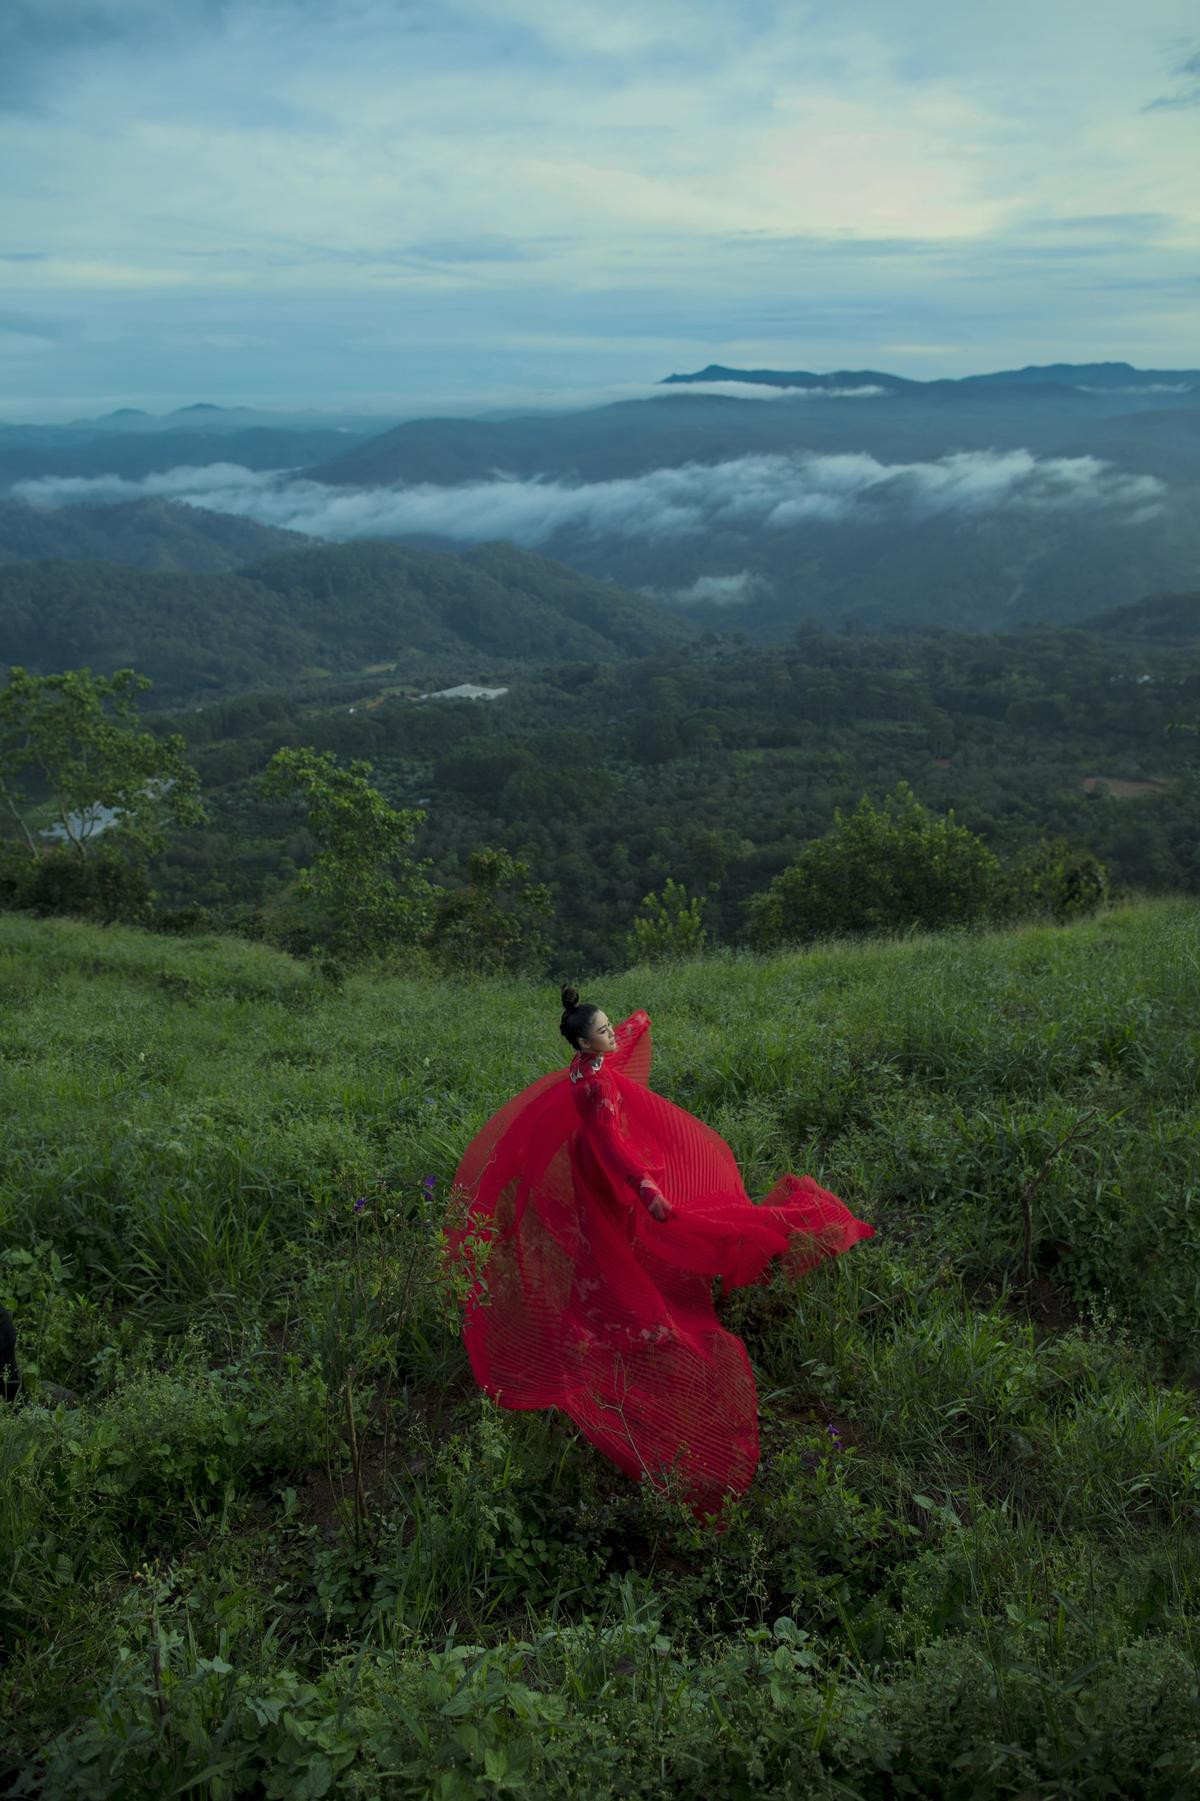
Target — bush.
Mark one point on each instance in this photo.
(102, 886)
(668, 927)
(496, 922)
(882, 869)
(1054, 880)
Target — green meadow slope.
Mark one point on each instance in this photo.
(261, 1535)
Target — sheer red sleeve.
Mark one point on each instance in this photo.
(603, 1126)
(633, 1052)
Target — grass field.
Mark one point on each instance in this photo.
(261, 1535)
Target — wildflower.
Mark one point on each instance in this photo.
(360, 1203)
(429, 1183)
(834, 1433)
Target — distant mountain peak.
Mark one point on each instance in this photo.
(1109, 375)
(788, 378)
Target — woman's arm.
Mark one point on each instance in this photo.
(603, 1127)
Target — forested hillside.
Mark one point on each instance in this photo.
(146, 534)
(715, 764)
(317, 611)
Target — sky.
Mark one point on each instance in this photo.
(397, 206)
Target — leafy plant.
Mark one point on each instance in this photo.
(1054, 880)
(378, 896)
(882, 868)
(496, 922)
(668, 926)
(69, 748)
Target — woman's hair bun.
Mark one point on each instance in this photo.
(575, 1018)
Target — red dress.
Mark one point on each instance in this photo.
(582, 1301)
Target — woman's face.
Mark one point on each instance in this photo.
(600, 1038)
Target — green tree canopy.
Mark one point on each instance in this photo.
(1054, 879)
(496, 921)
(667, 926)
(378, 896)
(69, 749)
(881, 869)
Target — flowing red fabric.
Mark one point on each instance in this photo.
(577, 1298)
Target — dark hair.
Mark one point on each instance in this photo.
(577, 1016)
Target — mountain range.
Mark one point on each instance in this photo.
(765, 497)
(1090, 377)
(973, 504)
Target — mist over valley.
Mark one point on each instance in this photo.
(859, 497)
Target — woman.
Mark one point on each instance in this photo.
(603, 1212)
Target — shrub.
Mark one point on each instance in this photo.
(1054, 880)
(668, 927)
(102, 886)
(496, 922)
(882, 869)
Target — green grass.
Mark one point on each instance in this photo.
(261, 1535)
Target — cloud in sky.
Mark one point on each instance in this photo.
(1140, 387)
(757, 390)
(724, 590)
(746, 495)
(1188, 94)
(305, 200)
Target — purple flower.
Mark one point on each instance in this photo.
(833, 1433)
(360, 1203)
(429, 1183)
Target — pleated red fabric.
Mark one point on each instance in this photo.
(577, 1298)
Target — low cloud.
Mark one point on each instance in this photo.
(1145, 387)
(747, 495)
(723, 590)
(764, 390)
(221, 487)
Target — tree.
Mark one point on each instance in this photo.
(378, 897)
(70, 754)
(1054, 880)
(881, 869)
(70, 738)
(668, 926)
(495, 922)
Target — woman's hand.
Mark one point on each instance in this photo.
(654, 1201)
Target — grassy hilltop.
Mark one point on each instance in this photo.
(261, 1535)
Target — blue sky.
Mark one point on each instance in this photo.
(394, 206)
